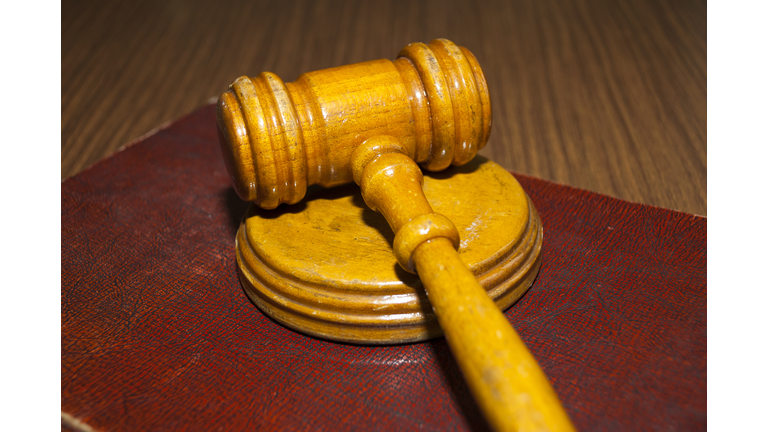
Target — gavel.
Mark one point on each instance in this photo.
(374, 123)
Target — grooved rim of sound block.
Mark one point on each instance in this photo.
(325, 266)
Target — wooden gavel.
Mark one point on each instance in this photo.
(372, 122)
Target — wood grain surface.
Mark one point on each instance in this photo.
(609, 96)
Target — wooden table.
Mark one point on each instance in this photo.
(604, 95)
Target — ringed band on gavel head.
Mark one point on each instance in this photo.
(277, 138)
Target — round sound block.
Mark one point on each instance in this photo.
(325, 266)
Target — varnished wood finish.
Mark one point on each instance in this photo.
(278, 138)
(326, 266)
(326, 269)
(507, 383)
(504, 378)
(604, 95)
(369, 121)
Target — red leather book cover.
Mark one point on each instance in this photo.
(157, 333)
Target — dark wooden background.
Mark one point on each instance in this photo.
(605, 95)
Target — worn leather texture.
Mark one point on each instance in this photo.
(158, 334)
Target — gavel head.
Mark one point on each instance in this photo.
(277, 138)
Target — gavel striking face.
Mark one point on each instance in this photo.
(372, 122)
(277, 138)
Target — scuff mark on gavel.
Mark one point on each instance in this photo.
(373, 122)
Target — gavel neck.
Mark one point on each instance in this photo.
(391, 183)
(390, 180)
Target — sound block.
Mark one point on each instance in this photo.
(325, 266)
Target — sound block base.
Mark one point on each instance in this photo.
(325, 266)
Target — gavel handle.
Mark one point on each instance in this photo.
(503, 376)
(508, 384)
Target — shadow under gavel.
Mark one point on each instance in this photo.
(372, 122)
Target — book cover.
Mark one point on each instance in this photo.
(157, 333)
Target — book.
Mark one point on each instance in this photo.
(158, 334)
